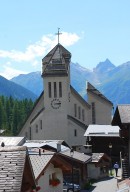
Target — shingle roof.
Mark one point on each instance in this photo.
(39, 162)
(12, 141)
(124, 111)
(12, 161)
(77, 156)
(41, 143)
(97, 156)
(102, 130)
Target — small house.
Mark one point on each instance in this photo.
(99, 166)
(48, 170)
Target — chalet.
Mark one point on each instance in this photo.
(59, 156)
(122, 119)
(105, 139)
(99, 166)
(48, 170)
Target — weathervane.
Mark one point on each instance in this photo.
(58, 34)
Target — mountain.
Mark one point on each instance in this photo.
(117, 86)
(9, 88)
(112, 81)
(31, 81)
(104, 67)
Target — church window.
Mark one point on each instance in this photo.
(30, 133)
(26, 134)
(49, 89)
(36, 128)
(75, 133)
(83, 116)
(41, 124)
(55, 90)
(79, 112)
(75, 110)
(60, 89)
(93, 113)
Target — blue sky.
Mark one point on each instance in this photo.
(92, 30)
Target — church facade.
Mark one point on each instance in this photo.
(60, 112)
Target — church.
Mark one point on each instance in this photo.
(60, 113)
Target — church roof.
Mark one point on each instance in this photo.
(93, 90)
(79, 96)
(56, 61)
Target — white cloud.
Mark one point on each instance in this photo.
(40, 48)
(9, 72)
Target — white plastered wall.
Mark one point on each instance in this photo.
(43, 182)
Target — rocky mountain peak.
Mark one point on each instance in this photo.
(104, 66)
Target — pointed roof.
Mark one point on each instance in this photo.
(56, 61)
(13, 162)
(122, 114)
(93, 90)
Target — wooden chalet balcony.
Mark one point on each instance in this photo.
(124, 133)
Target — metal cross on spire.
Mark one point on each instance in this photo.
(58, 34)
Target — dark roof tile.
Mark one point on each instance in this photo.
(12, 160)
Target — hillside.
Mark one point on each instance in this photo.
(112, 81)
(9, 88)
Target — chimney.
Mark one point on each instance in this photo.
(2, 144)
(58, 147)
(39, 152)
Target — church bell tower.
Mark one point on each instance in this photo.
(56, 75)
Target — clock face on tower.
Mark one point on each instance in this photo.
(55, 103)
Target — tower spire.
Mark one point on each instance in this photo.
(58, 34)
